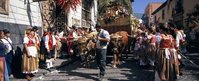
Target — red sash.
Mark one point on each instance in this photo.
(70, 38)
(50, 42)
(153, 40)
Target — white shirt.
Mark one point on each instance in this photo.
(6, 42)
(107, 36)
(158, 38)
(61, 34)
(178, 38)
(75, 35)
(26, 40)
(47, 40)
(31, 49)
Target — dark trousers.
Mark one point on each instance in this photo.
(9, 57)
(101, 60)
(51, 54)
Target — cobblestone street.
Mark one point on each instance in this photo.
(127, 71)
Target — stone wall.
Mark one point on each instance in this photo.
(22, 14)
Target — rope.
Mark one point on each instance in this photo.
(189, 60)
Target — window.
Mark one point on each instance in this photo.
(86, 13)
(86, 10)
(4, 7)
(162, 14)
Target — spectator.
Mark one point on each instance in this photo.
(9, 55)
(3, 67)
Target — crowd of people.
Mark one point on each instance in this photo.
(160, 48)
(38, 51)
(6, 54)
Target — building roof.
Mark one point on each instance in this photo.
(158, 9)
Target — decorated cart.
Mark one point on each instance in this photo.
(116, 15)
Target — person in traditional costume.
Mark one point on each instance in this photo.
(151, 48)
(138, 40)
(3, 66)
(9, 55)
(37, 37)
(174, 58)
(30, 55)
(72, 38)
(183, 42)
(38, 40)
(142, 51)
(58, 45)
(179, 41)
(163, 55)
(42, 56)
(158, 37)
(50, 43)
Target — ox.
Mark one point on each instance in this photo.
(118, 43)
(86, 48)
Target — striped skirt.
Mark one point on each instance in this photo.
(163, 64)
(151, 51)
(3, 70)
(174, 61)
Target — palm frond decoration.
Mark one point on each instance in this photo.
(67, 4)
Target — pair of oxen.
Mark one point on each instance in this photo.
(86, 47)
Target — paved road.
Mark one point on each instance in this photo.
(127, 71)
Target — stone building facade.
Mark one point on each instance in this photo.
(175, 10)
(85, 15)
(151, 7)
(18, 15)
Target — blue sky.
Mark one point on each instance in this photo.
(140, 5)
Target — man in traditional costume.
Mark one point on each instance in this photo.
(9, 55)
(72, 38)
(50, 43)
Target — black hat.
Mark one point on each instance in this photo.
(75, 26)
(97, 25)
(6, 31)
(35, 28)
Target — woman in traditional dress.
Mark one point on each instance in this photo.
(163, 56)
(174, 58)
(58, 45)
(142, 50)
(30, 55)
(3, 67)
(151, 48)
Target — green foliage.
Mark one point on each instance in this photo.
(110, 10)
(103, 4)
